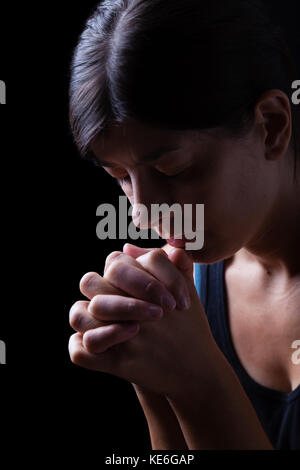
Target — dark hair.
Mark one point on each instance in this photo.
(177, 64)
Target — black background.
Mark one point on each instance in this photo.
(49, 201)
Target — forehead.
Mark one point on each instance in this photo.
(135, 139)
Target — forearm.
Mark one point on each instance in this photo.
(164, 429)
(217, 414)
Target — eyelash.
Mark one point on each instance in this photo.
(126, 179)
(175, 174)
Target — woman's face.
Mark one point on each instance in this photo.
(230, 176)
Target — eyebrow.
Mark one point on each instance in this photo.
(146, 158)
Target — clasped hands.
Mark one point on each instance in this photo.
(144, 321)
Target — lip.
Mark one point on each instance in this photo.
(177, 243)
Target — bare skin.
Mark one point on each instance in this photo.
(264, 321)
(172, 356)
(253, 221)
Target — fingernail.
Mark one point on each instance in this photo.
(155, 311)
(168, 303)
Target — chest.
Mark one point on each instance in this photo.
(264, 323)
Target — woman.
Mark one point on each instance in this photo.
(188, 101)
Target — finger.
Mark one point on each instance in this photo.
(123, 274)
(119, 256)
(179, 258)
(81, 357)
(81, 319)
(135, 251)
(177, 255)
(93, 284)
(165, 271)
(117, 308)
(182, 261)
(100, 339)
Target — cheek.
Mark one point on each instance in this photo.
(230, 197)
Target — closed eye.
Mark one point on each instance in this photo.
(172, 175)
(127, 180)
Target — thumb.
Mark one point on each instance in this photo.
(135, 251)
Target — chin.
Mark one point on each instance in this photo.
(211, 252)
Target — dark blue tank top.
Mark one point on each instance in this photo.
(278, 412)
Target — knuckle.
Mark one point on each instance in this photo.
(112, 257)
(151, 287)
(75, 319)
(88, 344)
(91, 344)
(156, 254)
(114, 268)
(87, 281)
(75, 315)
(76, 356)
(75, 351)
(95, 303)
(97, 308)
(76, 306)
(130, 306)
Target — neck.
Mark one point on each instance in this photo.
(276, 247)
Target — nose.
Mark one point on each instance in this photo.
(143, 217)
(147, 189)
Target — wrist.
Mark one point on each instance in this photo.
(214, 411)
(164, 430)
(203, 381)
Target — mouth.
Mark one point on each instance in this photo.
(175, 238)
(177, 243)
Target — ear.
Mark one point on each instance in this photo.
(274, 117)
